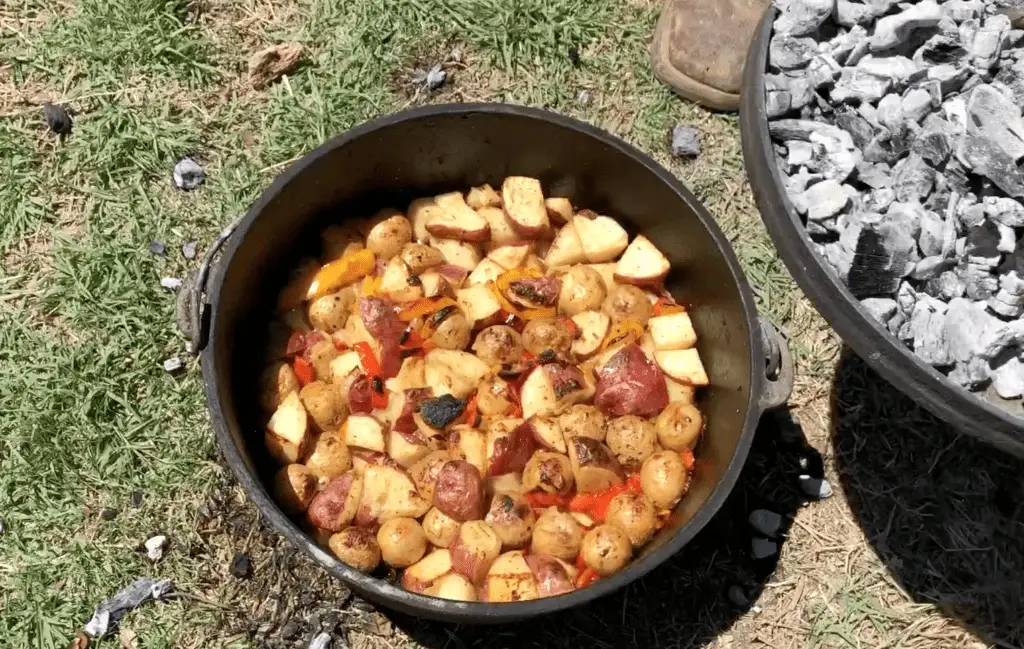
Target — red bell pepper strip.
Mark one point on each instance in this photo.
(472, 414)
(543, 499)
(587, 577)
(595, 505)
(372, 367)
(689, 461)
(304, 371)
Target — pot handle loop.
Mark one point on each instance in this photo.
(191, 308)
(778, 367)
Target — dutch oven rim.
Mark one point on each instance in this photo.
(379, 590)
(898, 365)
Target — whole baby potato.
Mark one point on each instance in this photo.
(663, 479)
(633, 514)
(357, 547)
(389, 234)
(330, 312)
(582, 290)
(679, 426)
(402, 542)
(606, 549)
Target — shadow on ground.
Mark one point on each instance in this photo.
(684, 602)
(944, 512)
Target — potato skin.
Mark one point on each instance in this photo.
(329, 457)
(402, 542)
(547, 471)
(357, 547)
(582, 290)
(583, 420)
(627, 303)
(276, 382)
(512, 519)
(498, 344)
(387, 237)
(420, 257)
(323, 403)
(458, 491)
(424, 473)
(330, 312)
(453, 333)
(294, 488)
(336, 505)
(633, 439)
(542, 334)
(679, 426)
(474, 549)
(453, 586)
(606, 549)
(558, 534)
(494, 398)
(633, 514)
(664, 479)
(440, 528)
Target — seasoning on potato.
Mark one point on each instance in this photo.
(491, 393)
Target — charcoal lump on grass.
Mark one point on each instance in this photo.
(899, 133)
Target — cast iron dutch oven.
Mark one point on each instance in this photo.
(431, 150)
(988, 417)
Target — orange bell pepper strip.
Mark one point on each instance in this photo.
(689, 461)
(341, 272)
(595, 505)
(472, 413)
(633, 483)
(424, 307)
(586, 577)
(665, 306)
(627, 331)
(304, 371)
(581, 565)
(500, 288)
(570, 325)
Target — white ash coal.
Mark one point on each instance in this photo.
(897, 128)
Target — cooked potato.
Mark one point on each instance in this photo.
(485, 272)
(542, 334)
(582, 290)
(483, 196)
(440, 528)
(419, 257)
(627, 303)
(558, 534)
(363, 431)
(389, 233)
(633, 514)
(550, 472)
(509, 446)
(683, 365)
(672, 331)
(554, 576)
(420, 211)
(602, 237)
(469, 444)
(501, 227)
(322, 402)
(288, 434)
(523, 200)
(593, 327)
(565, 249)
(294, 488)
(498, 344)
(452, 586)
(504, 483)
(511, 255)
(388, 493)
(479, 304)
(457, 220)
(277, 381)
(463, 254)
(664, 479)
(512, 519)
(632, 439)
(593, 465)
(329, 457)
(330, 312)
(537, 395)
(679, 426)
(510, 579)
(402, 542)
(559, 209)
(424, 473)
(583, 420)
(335, 507)
(642, 264)
(474, 549)
(407, 450)
(357, 547)
(453, 332)
(459, 491)
(421, 575)
(396, 282)
(606, 549)
(494, 398)
(448, 371)
(321, 355)
(548, 432)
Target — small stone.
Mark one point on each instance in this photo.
(3, 527)
(136, 499)
(155, 547)
(737, 596)
(993, 117)
(949, 286)
(961, 10)
(843, 45)
(917, 103)
(912, 179)
(1008, 378)
(879, 252)
(174, 365)
(763, 548)
(822, 71)
(765, 522)
(685, 141)
(892, 31)
(988, 41)
(108, 514)
(57, 118)
(934, 142)
(268, 65)
(188, 175)
(880, 308)
(188, 250)
(949, 78)
(800, 17)
(879, 200)
(435, 78)
(815, 487)
(157, 248)
(1007, 239)
(998, 336)
(825, 200)
(890, 112)
(171, 283)
(874, 175)
(788, 53)
(856, 85)
(583, 97)
(931, 236)
(289, 630)
(898, 70)
(241, 566)
(927, 327)
(930, 267)
(971, 374)
(321, 641)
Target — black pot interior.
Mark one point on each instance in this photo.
(422, 153)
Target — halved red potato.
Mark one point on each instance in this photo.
(395, 282)
(487, 270)
(388, 493)
(628, 383)
(440, 528)
(421, 575)
(558, 534)
(276, 382)
(566, 248)
(356, 547)
(336, 505)
(329, 457)
(554, 577)
(512, 519)
(288, 433)
(593, 465)
(502, 232)
(683, 365)
(463, 254)
(511, 483)
(364, 431)
(523, 200)
(469, 444)
(453, 586)
(362, 458)
(457, 220)
(510, 579)
(508, 451)
(642, 264)
(479, 304)
(410, 376)
(547, 471)
(402, 541)
(449, 371)
(672, 331)
(420, 211)
(294, 488)
(511, 255)
(593, 327)
(602, 237)
(474, 549)
(483, 196)
(407, 449)
(559, 210)
(424, 473)
(387, 232)
(459, 491)
(547, 432)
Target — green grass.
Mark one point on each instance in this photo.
(86, 413)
